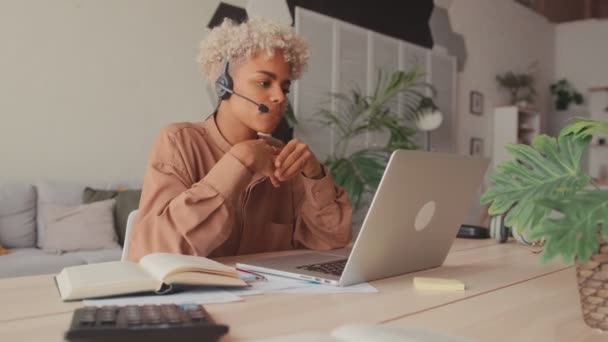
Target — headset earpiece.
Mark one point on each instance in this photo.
(224, 82)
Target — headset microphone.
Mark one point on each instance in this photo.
(224, 85)
(261, 107)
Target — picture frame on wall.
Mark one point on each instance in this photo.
(476, 103)
(476, 147)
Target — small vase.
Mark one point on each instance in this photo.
(593, 288)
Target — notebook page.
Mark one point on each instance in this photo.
(160, 265)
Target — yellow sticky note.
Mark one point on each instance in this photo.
(421, 283)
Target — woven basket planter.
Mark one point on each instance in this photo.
(593, 289)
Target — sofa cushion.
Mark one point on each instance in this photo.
(17, 215)
(126, 202)
(30, 261)
(81, 227)
(70, 193)
(100, 255)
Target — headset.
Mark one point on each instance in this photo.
(224, 86)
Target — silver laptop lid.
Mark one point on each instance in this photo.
(414, 217)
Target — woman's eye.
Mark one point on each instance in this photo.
(264, 84)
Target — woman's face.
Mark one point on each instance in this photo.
(265, 80)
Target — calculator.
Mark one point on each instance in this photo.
(150, 323)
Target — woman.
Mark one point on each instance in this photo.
(216, 188)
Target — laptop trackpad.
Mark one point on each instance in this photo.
(341, 253)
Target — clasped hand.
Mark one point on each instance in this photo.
(279, 162)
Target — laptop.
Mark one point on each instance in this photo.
(412, 221)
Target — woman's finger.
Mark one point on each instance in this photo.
(296, 167)
(288, 162)
(275, 182)
(285, 152)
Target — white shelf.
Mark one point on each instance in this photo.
(513, 125)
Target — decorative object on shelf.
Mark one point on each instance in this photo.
(427, 118)
(565, 94)
(357, 114)
(476, 147)
(546, 194)
(520, 87)
(476, 103)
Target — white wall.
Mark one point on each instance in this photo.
(581, 53)
(581, 56)
(87, 85)
(500, 36)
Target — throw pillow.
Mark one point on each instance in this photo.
(84, 227)
(126, 202)
(91, 195)
(3, 250)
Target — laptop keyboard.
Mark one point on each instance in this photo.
(333, 267)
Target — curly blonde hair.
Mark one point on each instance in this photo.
(236, 42)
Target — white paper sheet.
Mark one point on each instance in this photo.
(277, 284)
(273, 284)
(206, 296)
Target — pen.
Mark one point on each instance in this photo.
(257, 275)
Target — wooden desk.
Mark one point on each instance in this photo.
(494, 274)
(546, 308)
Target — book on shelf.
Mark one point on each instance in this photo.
(157, 273)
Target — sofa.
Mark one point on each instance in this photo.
(23, 246)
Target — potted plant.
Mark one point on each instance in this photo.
(545, 192)
(520, 87)
(565, 94)
(360, 171)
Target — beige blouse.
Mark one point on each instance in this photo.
(199, 199)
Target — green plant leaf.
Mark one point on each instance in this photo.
(359, 173)
(564, 94)
(355, 113)
(549, 169)
(583, 128)
(575, 233)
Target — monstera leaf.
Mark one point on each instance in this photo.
(548, 170)
(584, 128)
(575, 233)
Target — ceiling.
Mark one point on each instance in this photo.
(560, 11)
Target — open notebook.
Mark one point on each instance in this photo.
(156, 272)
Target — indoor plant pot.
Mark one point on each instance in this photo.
(546, 193)
(593, 288)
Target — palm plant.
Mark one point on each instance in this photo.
(546, 178)
(520, 86)
(360, 172)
